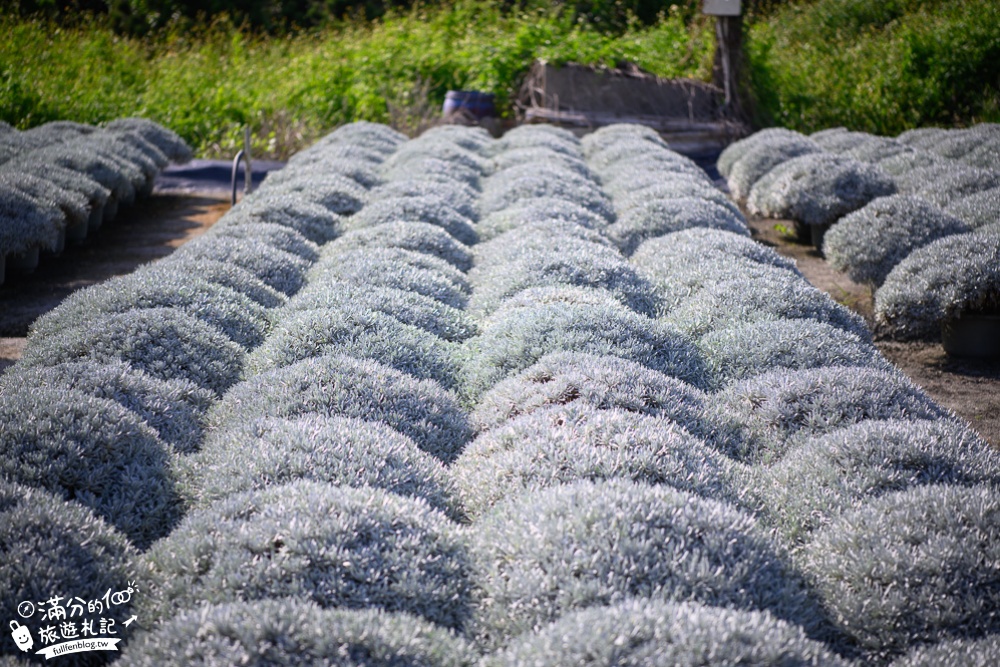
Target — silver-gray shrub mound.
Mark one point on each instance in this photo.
(958, 183)
(365, 132)
(441, 148)
(764, 157)
(537, 209)
(818, 189)
(356, 331)
(175, 409)
(747, 350)
(164, 342)
(691, 245)
(841, 140)
(678, 185)
(53, 547)
(940, 281)
(541, 156)
(26, 223)
(561, 444)
(313, 220)
(510, 187)
(341, 547)
(602, 382)
(512, 341)
(760, 419)
(102, 168)
(336, 193)
(278, 269)
(278, 236)
(93, 451)
(532, 236)
(625, 149)
(435, 169)
(736, 150)
(662, 634)
(429, 209)
(220, 273)
(869, 242)
(584, 544)
(977, 210)
(914, 566)
(408, 307)
(875, 149)
(343, 451)
(459, 196)
(983, 652)
(639, 170)
(418, 236)
(346, 387)
(902, 164)
(295, 633)
(476, 139)
(537, 136)
(398, 268)
(659, 217)
(848, 467)
(610, 135)
(163, 138)
(72, 206)
(779, 295)
(237, 316)
(95, 194)
(307, 160)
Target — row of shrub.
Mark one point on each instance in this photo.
(62, 180)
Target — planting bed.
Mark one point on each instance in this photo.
(538, 444)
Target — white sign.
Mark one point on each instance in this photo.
(721, 7)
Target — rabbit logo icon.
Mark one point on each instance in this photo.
(21, 635)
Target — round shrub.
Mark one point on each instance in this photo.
(95, 194)
(867, 243)
(369, 156)
(78, 157)
(984, 156)
(760, 419)
(958, 183)
(365, 132)
(278, 236)
(537, 209)
(220, 273)
(902, 165)
(664, 216)
(512, 341)
(940, 281)
(346, 387)
(977, 210)
(164, 342)
(675, 283)
(747, 350)
(842, 141)
(552, 234)
(559, 294)
(630, 148)
(53, 547)
(536, 155)
(235, 315)
(510, 187)
(817, 189)
(560, 444)
(315, 192)
(877, 149)
(163, 138)
(434, 168)
(337, 546)
(343, 451)
(175, 409)
(914, 566)
(537, 136)
(278, 269)
(691, 246)
(408, 307)
(679, 185)
(457, 195)
(661, 634)
(764, 157)
(610, 135)
(630, 176)
(432, 210)
(601, 382)
(73, 206)
(579, 545)
(438, 147)
(290, 209)
(969, 652)
(93, 451)
(849, 467)
(416, 236)
(295, 633)
(26, 223)
(355, 331)
(475, 139)
(736, 150)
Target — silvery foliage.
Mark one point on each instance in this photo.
(68, 179)
(957, 183)
(942, 280)
(902, 164)
(572, 546)
(419, 149)
(610, 135)
(93, 451)
(237, 316)
(314, 221)
(513, 185)
(760, 419)
(72, 207)
(341, 386)
(540, 209)
(417, 236)
(166, 140)
(603, 382)
(147, 148)
(658, 217)
(26, 223)
(677, 283)
(914, 566)
(537, 136)
(749, 350)
(337, 194)
(138, 167)
(983, 652)
(430, 209)
(913, 180)
(175, 409)
(979, 209)
(476, 139)
(755, 297)
(313, 158)
(341, 547)
(627, 148)
(343, 451)
(536, 155)
(958, 143)
(674, 187)
(876, 149)
(365, 132)
(335, 160)
(533, 235)
(434, 168)
(985, 156)
(561, 444)
(922, 137)
(849, 467)
(110, 173)
(818, 188)
(869, 242)
(735, 152)
(53, 545)
(167, 343)
(282, 238)
(219, 273)
(515, 339)
(356, 331)
(663, 634)
(639, 173)
(294, 633)
(56, 131)
(458, 195)
(840, 140)
(280, 270)
(395, 267)
(761, 159)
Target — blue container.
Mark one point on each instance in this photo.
(472, 102)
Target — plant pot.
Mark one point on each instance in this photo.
(472, 102)
(816, 234)
(23, 262)
(972, 334)
(77, 232)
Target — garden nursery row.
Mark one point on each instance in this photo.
(916, 217)
(457, 400)
(61, 181)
